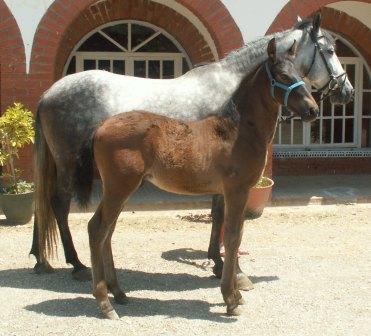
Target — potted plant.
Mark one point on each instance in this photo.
(16, 131)
(258, 197)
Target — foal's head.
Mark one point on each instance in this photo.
(287, 87)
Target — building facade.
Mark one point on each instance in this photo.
(43, 40)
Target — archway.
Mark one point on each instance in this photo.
(65, 23)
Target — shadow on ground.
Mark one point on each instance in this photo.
(61, 281)
(190, 256)
(136, 307)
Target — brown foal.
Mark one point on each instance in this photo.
(223, 154)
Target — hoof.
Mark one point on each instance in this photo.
(111, 315)
(218, 270)
(244, 283)
(43, 268)
(82, 275)
(234, 311)
(121, 298)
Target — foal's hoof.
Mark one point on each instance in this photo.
(121, 298)
(244, 283)
(234, 311)
(43, 268)
(111, 315)
(82, 274)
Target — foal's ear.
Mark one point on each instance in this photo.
(271, 50)
(294, 49)
(317, 22)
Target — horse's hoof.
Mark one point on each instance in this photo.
(244, 283)
(43, 268)
(111, 315)
(218, 270)
(234, 311)
(82, 274)
(121, 298)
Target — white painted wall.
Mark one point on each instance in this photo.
(252, 17)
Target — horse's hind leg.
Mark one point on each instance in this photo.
(42, 266)
(61, 201)
(217, 215)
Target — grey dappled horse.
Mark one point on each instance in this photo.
(73, 108)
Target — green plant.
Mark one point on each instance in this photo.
(16, 131)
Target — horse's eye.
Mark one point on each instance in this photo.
(331, 51)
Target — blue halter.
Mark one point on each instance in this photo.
(282, 86)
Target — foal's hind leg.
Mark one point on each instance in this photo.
(217, 215)
(61, 201)
(101, 228)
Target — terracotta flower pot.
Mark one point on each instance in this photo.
(258, 198)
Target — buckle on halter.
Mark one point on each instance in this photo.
(334, 84)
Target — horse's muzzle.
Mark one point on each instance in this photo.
(311, 115)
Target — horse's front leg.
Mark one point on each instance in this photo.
(217, 215)
(235, 198)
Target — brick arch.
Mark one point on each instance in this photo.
(12, 57)
(304, 8)
(66, 22)
(350, 28)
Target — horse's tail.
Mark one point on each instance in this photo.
(45, 180)
(84, 174)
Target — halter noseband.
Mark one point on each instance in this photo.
(335, 81)
(287, 88)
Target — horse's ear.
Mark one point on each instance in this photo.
(271, 50)
(299, 19)
(294, 48)
(317, 22)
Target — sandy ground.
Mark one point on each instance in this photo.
(311, 268)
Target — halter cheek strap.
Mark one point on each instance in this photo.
(286, 88)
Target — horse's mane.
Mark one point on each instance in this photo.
(247, 53)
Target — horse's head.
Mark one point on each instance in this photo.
(286, 85)
(320, 64)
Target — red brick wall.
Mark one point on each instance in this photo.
(67, 21)
(14, 85)
(321, 166)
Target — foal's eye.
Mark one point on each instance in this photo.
(286, 77)
(331, 51)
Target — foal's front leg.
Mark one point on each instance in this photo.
(235, 199)
(217, 215)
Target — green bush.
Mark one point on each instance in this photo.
(16, 131)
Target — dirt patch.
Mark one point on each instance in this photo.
(310, 266)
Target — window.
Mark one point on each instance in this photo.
(338, 126)
(130, 48)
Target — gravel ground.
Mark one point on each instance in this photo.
(310, 266)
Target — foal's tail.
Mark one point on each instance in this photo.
(84, 174)
(45, 180)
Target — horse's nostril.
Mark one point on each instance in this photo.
(313, 111)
